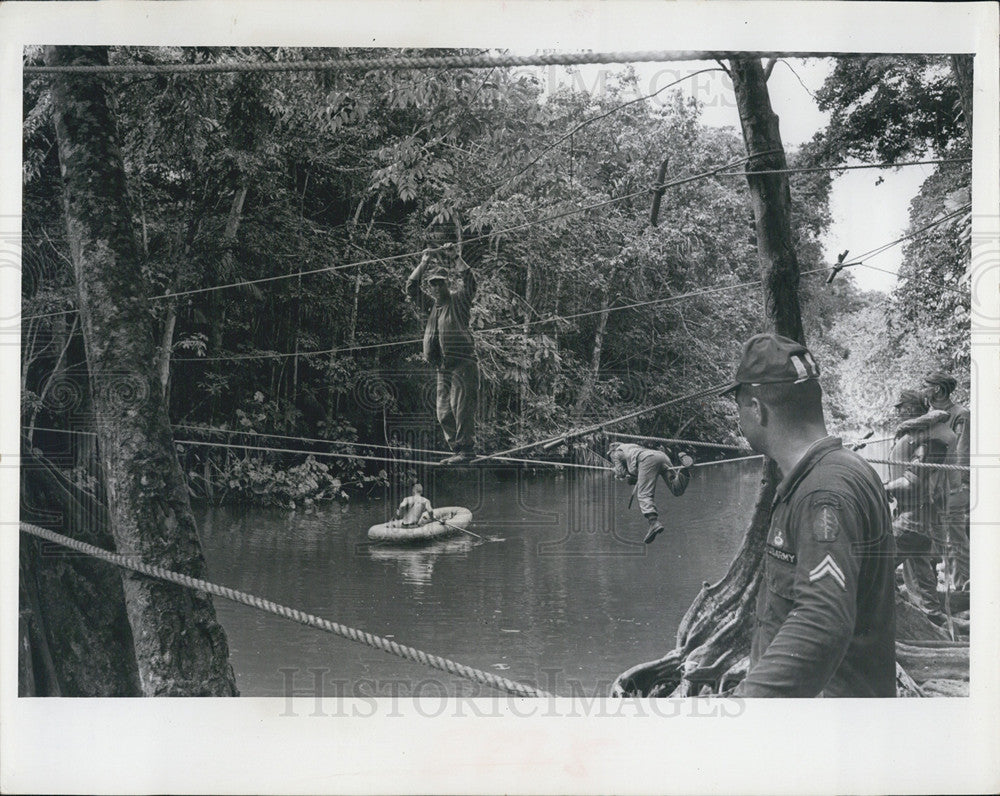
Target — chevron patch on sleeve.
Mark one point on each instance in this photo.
(828, 567)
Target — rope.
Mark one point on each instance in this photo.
(728, 461)
(879, 249)
(401, 447)
(808, 169)
(492, 329)
(674, 441)
(923, 465)
(331, 454)
(409, 449)
(336, 455)
(866, 442)
(938, 285)
(405, 255)
(477, 61)
(293, 614)
(548, 462)
(719, 170)
(598, 426)
(593, 119)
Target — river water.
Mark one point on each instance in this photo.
(562, 594)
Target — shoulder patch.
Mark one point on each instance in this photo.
(826, 518)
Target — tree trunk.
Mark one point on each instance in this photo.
(75, 636)
(166, 346)
(595, 356)
(961, 66)
(217, 307)
(713, 639)
(180, 648)
(771, 199)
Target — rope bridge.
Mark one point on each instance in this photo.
(310, 620)
(491, 457)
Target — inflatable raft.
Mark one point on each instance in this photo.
(447, 521)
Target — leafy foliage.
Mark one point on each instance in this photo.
(580, 316)
(893, 108)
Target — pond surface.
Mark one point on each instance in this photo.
(562, 591)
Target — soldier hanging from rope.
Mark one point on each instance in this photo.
(449, 346)
(641, 466)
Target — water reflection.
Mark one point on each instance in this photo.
(416, 564)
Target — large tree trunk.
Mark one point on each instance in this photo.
(180, 648)
(74, 632)
(713, 640)
(771, 199)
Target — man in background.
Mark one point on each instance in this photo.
(938, 387)
(921, 495)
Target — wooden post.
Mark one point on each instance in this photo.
(181, 650)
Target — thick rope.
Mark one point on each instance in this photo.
(923, 465)
(295, 615)
(476, 61)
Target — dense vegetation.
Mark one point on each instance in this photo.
(893, 109)
(245, 176)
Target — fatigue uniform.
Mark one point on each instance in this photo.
(642, 466)
(922, 495)
(956, 515)
(825, 623)
(449, 347)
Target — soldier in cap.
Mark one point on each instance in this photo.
(449, 347)
(825, 617)
(921, 494)
(938, 387)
